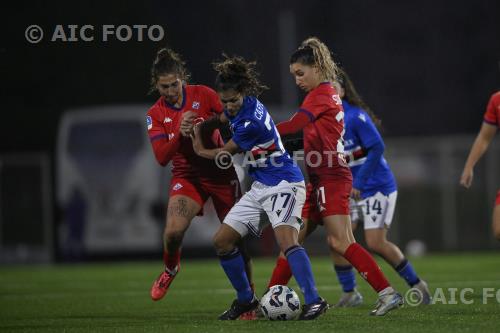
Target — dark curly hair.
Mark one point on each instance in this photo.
(238, 74)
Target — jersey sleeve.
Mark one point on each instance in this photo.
(246, 135)
(366, 130)
(213, 100)
(164, 148)
(492, 114)
(315, 104)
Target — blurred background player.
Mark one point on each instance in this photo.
(373, 195)
(278, 189)
(486, 134)
(194, 179)
(322, 119)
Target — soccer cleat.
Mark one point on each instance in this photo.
(313, 310)
(249, 315)
(424, 292)
(390, 301)
(237, 309)
(161, 284)
(350, 300)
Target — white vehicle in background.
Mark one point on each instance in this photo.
(109, 183)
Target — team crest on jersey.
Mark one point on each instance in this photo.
(177, 187)
(196, 105)
(149, 122)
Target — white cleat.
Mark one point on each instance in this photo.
(387, 302)
(350, 300)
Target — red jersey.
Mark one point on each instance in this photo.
(323, 135)
(164, 122)
(492, 115)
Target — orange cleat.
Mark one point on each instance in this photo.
(160, 286)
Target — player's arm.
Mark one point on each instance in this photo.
(230, 147)
(374, 147)
(483, 140)
(298, 121)
(164, 147)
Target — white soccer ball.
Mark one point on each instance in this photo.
(280, 303)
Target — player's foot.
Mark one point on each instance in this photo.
(161, 284)
(313, 310)
(249, 315)
(425, 294)
(350, 299)
(386, 302)
(237, 309)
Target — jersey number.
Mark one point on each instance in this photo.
(274, 197)
(376, 206)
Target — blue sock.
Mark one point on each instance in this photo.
(301, 269)
(234, 266)
(346, 277)
(406, 271)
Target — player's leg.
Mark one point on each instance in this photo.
(184, 204)
(341, 240)
(283, 204)
(496, 218)
(282, 273)
(244, 216)
(181, 210)
(378, 211)
(350, 297)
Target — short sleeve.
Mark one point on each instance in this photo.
(492, 115)
(246, 134)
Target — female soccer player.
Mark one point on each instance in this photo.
(194, 179)
(278, 188)
(373, 196)
(322, 119)
(486, 134)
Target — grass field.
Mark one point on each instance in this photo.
(114, 297)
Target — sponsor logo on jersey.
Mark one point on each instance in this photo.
(167, 120)
(177, 187)
(362, 117)
(149, 122)
(171, 136)
(196, 105)
(247, 123)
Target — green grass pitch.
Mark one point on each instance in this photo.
(114, 297)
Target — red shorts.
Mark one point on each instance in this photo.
(224, 196)
(497, 201)
(325, 199)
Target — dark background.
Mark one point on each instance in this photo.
(426, 67)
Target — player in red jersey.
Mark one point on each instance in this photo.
(486, 134)
(194, 179)
(321, 118)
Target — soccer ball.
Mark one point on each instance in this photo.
(280, 303)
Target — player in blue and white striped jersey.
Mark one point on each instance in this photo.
(373, 194)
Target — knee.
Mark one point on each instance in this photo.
(375, 245)
(338, 245)
(174, 235)
(222, 245)
(496, 231)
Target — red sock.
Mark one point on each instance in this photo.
(366, 266)
(281, 273)
(171, 260)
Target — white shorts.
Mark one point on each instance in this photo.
(281, 203)
(376, 212)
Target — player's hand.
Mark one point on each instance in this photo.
(196, 138)
(466, 178)
(356, 194)
(187, 123)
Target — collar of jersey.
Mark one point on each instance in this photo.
(184, 98)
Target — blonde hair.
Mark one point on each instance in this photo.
(314, 52)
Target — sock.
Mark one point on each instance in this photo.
(346, 277)
(301, 268)
(366, 266)
(171, 260)
(406, 271)
(281, 273)
(234, 266)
